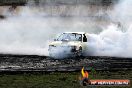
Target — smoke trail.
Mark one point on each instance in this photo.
(116, 39)
(29, 30)
(110, 42)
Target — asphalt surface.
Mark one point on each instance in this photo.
(43, 63)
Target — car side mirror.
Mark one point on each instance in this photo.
(84, 39)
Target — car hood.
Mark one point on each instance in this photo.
(66, 43)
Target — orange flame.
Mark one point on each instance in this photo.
(84, 73)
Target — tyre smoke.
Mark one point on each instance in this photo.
(28, 30)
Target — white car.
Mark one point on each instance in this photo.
(68, 44)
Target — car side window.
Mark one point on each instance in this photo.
(84, 38)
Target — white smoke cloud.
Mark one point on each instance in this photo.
(110, 42)
(29, 32)
(116, 40)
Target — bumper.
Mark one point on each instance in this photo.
(62, 52)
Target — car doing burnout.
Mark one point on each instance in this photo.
(68, 44)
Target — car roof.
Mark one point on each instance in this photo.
(76, 32)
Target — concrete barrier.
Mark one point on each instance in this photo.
(23, 2)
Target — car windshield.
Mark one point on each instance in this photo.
(70, 37)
